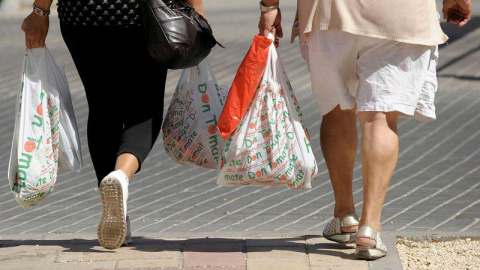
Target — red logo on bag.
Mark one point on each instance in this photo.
(251, 125)
(39, 109)
(29, 146)
(262, 118)
(283, 177)
(274, 165)
(282, 92)
(205, 98)
(212, 129)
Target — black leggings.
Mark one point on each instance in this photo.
(125, 90)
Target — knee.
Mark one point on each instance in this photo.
(371, 120)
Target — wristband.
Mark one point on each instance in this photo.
(265, 8)
(40, 11)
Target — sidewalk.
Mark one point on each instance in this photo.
(83, 252)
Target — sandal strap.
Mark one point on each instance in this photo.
(349, 220)
(368, 232)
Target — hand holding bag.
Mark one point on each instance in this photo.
(270, 145)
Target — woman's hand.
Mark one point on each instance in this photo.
(198, 6)
(271, 21)
(36, 30)
(457, 11)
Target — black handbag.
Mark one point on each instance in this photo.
(177, 36)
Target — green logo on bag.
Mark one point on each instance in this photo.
(307, 144)
(254, 157)
(298, 177)
(234, 177)
(35, 196)
(202, 88)
(24, 164)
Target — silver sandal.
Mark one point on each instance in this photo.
(333, 230)
(370, 253)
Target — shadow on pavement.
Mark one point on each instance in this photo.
(316, 245)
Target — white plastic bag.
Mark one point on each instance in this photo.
(190, 133)
(70, 154)
(270, 146)
(39, 132)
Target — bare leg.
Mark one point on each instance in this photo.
(339, 139)
(379, 159)
(128, 163)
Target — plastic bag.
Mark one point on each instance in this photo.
(70, 154)
(190, 133)
(37, 138)
(270, 146)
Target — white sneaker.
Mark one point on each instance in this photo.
(128, 238)
(112, 228)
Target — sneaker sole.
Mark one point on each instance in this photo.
(112, 228)
(366, 253)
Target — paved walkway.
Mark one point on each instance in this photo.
(303, 253)
(435, 188)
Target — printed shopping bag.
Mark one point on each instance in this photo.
(270, 146)
(190, 133)
(38, 137)
(70, 154)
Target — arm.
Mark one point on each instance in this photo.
(198, 6)
(457, 11)
(36, 26)
(271, 21)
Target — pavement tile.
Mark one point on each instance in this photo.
(324, 252)
(275, 252)
(26, 261)
(213, 247)
(278, 264)
(82, 265)
(214, 240)
(26, 250)
(98, 253)
(364, 266)
(323, 256)
(213, 268)
(213, 254)
(208, 259)
(148, 263)
(278, 242)
(47, 261)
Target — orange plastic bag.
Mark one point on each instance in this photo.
(244, 85)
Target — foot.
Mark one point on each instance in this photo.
(342, 230)
(366, 241)
(112, 228)
(368, 252)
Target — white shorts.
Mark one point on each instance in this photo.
(376, 74)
